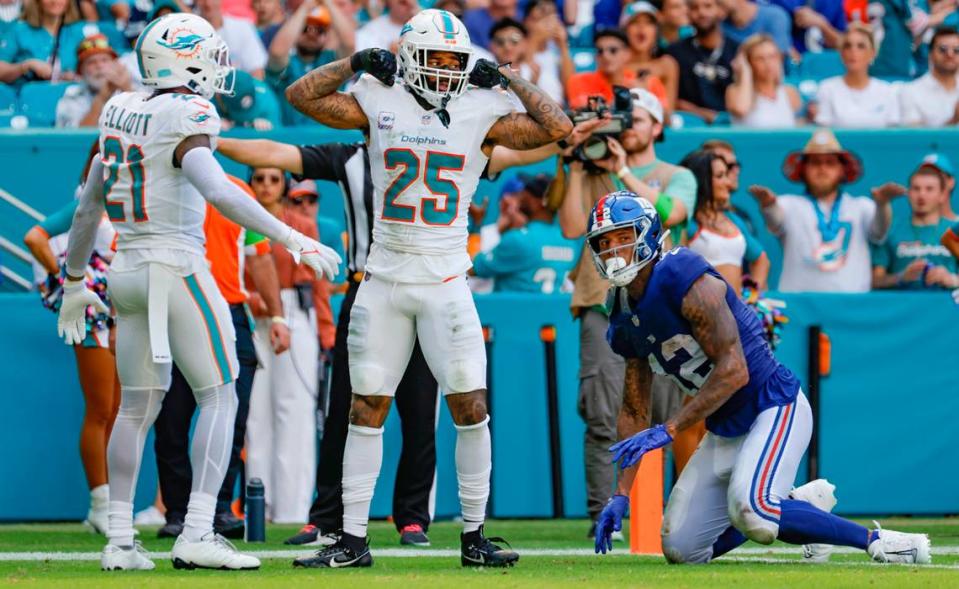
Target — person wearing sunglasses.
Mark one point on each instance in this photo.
(612, 55)
(856, 99)
(548, 46)
(933, 99)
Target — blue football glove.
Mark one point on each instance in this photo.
(632, 449)
(610, 520)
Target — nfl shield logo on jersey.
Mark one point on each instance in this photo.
(385, 120)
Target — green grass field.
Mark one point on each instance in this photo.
(557, 554)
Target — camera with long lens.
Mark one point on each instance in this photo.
(620, 113)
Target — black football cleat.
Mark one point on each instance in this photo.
(479, 551)
(339, 555)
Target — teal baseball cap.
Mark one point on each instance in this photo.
(938, 161)
(241, 106)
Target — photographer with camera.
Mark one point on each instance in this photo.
(603, 162)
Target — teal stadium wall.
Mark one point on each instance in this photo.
(887, 409)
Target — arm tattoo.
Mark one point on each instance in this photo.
(316, 96)
(717, 333)
(634, 414)
(544, 121)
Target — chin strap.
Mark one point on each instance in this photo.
(441, 113)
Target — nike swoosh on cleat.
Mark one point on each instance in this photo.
(336, 564)
(476, 560)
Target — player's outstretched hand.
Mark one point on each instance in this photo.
(379, 63)
(324, 260)
(610, 520)
(72, 321)
(632, 449)
(486, 74)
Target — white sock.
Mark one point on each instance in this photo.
(473, 465)
(199, 516)
(362, 459)
(99, 497)
(120, 531)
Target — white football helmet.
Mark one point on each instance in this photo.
(183, 49)
(434, 30)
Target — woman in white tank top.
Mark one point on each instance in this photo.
(757, 98)
(716, 233)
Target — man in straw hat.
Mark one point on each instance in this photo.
(102, 76)
(824, 231)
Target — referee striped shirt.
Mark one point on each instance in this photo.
(347, 164)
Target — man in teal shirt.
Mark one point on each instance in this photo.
(252, 104)
(298, 47)
(532, 254)
(911, 256)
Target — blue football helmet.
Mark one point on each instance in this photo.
(619, 210)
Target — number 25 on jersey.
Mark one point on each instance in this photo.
(429, 207)
(132, 160)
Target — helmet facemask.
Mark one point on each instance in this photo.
(621, 263)
(426, 81)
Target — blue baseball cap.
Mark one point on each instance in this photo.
(938, 161)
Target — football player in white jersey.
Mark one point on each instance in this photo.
(153, 172)
(431, 131)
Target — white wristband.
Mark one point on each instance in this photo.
(624, 171)
(279, 319)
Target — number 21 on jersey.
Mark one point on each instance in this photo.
(410, 166)
(114, 158)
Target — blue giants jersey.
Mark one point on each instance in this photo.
(655, 328)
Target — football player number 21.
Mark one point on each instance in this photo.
(114, 157)
(410, 166)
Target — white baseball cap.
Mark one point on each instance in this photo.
(647, 101)
(635, 9)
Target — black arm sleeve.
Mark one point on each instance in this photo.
(325, 162)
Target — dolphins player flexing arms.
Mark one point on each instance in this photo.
(430, 137)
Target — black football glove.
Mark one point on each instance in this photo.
(486, 74)
(379, 63)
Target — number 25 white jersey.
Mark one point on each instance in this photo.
(150, 202)
(424, 176)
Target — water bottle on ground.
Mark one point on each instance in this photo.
(255, 511)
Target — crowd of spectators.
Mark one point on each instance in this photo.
(860, 63)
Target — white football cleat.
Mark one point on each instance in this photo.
(617, 536)
(900, 547)
(133, 558)
(212, 552)
(150, 516)
(821, 494)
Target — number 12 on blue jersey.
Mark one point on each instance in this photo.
(429, 206)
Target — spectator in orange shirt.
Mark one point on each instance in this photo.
(281, 431)
(229, 248)
(612, 56)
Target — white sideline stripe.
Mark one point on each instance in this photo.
(750, 554)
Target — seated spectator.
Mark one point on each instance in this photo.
(479, 21)
(246, 50)
(612, 53)
(252, 105)
(941, 163)
(640, 21)
(548, 47)
(942, 13)
(705, 62)
(674, 22)
(758, 98)
(531, 255)
(725, 150)
(816, 25)
(745, 18)
(299, 47)
(933, 99)
(825, 232)
(855, 99)
(716, 232)
(26, 51)
(384, 31)
(911, 256)
(269, 18)
(101, 77)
